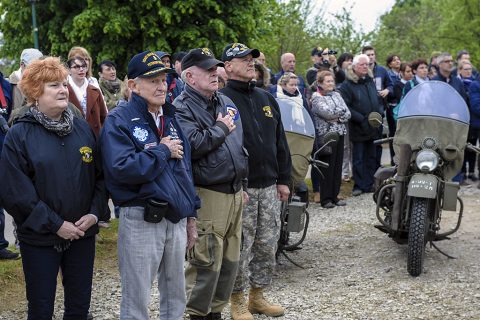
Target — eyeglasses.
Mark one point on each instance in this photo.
(447, 61)
(76, 66)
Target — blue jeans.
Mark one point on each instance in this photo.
(364, 163)
(3, 241)
(146, 250)
(41, 266)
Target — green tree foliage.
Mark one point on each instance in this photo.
(117, 29)
(297, 26)
(342, 34)
(416, 28)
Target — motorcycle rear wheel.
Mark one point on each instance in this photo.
(417, 236)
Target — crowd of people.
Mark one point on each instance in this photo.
(192, 151)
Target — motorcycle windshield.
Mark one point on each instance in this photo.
(434, 98)
(295, 117)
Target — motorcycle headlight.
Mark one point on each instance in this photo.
(427, 160)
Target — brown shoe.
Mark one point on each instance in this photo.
(258, 304)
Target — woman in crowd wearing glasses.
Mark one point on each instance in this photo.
(83, 53)
(52, 185)
(86, 97)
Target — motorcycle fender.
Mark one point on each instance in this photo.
(423, 185)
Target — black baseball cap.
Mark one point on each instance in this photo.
(200, 57)
(317, 51)
(146, 65)
(238, 50)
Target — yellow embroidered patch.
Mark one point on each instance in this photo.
(268, 111)
(87, 154)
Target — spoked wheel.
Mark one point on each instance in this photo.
(417, 236)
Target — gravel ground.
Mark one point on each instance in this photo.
(353, 271)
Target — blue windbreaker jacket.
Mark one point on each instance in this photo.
(138, 167)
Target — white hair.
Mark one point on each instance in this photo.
(184, 75)
(357, 58)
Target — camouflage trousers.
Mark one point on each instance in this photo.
(213, 261)
(260, 233)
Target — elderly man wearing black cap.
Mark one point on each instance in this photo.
(146, 160)
(269, 175)
(213, 127)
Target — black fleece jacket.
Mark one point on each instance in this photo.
(269, 156)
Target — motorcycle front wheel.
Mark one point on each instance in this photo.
(417, 236)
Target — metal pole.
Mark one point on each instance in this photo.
(34, 24)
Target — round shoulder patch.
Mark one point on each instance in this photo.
(233, 112)
(140, 132)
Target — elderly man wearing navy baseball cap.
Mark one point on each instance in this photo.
(213, 126)
(146, 161)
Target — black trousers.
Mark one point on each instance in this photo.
(392, 128)
(41, 266)
(470, 156)
(332, 176)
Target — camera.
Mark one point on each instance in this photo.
(332, 52)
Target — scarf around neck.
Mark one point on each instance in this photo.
(61, 127)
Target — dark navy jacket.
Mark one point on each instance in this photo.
(456, 83)
(138, 167)
(361, 97)
(475, 104)
(48, 179)
(7, 91)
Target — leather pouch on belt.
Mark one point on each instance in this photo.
(155, 211)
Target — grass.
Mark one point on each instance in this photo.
(345, 189)
(12, 283)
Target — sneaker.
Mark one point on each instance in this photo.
(328, 205)
(6, 254)
(340, 203)
(356, 192)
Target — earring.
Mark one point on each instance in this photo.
(36, 103)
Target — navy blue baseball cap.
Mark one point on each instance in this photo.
(238, 50)
(146, 65)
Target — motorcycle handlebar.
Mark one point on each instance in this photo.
(382, 141)
(320, 163)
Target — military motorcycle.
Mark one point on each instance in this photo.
(300, 133)
(429, 144)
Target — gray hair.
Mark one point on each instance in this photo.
(357, 58)
(286, 78)
(184, 75)
(442, 57)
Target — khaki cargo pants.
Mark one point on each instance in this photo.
(213, 261)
